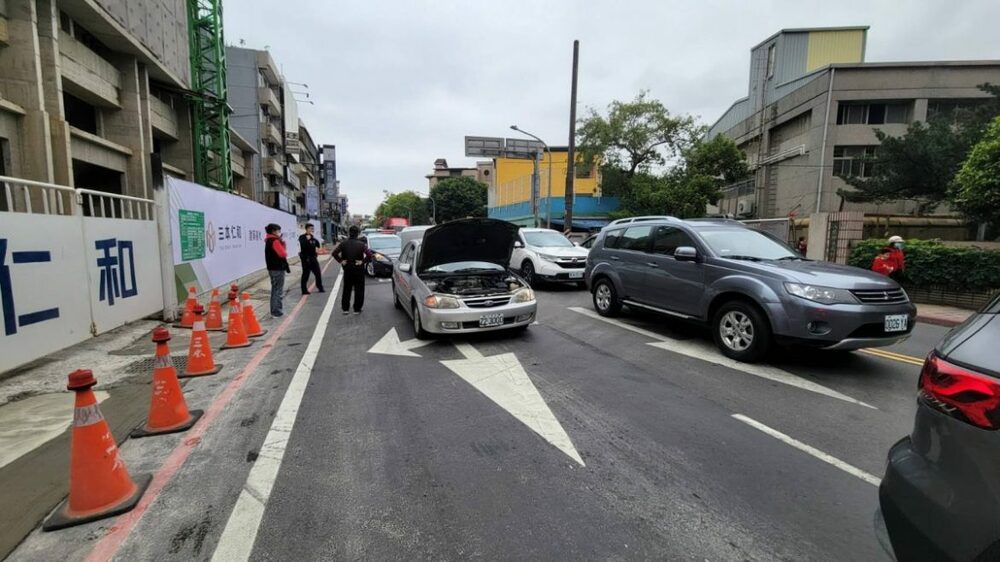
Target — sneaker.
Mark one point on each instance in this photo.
(304, 293)
(277, 314)
(346, 312)
(321, 289)
(357, 312)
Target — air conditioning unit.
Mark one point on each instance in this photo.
(744, 207)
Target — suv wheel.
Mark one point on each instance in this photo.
(528, 272)
(741, 332)
(606, 301)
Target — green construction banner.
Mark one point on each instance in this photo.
(192, 234)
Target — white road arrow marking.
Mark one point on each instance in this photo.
(390, 344)
(502, 379)
(705, 352)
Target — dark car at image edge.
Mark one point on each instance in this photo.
(940, 497)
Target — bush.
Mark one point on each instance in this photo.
(929, 263)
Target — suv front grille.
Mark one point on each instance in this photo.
(575, 264)
(881, 296)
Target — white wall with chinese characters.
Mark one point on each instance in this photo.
(44, 286)
(123, 263)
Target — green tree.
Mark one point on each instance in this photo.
(920, 165)
(718, 158)
(458, 198)
(406, 204)
(976, 189)
(634, 135)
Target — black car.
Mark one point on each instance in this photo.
(385, 251)
(940, 498)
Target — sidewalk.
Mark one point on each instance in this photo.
(36, 409)
(941, 315)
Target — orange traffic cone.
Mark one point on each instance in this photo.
(168, 412)
(250, 319)
(237, 336)
(99, 482)
(187, 319)
(200, 360)
(213, 322)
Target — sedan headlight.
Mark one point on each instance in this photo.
(382, 258)
(548, 257)
(522, 296)
(441, 301)
(822, 295)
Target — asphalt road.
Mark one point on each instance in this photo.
(580, 439)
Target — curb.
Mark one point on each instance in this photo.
(936, 321)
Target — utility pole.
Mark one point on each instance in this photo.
(571, 162)
(535, 183)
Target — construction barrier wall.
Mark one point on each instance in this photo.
(73, 264)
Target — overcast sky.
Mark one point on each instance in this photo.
(398, 84)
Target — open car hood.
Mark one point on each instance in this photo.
(488, 240)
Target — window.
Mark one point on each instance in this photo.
(407, 256)
(547, 239)
(873, 113)
(945, 109)
(770, 61)
(853, 161)
(613, 239)
(636, 238)
(742, 243)
(667, 239)
(80, 114)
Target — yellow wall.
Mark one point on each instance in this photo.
(513, 179)
(828, 47)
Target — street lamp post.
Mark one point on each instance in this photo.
(548, 197)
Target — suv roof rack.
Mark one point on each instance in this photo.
(717, 220)
(643, 219)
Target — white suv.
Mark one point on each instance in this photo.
(541, 254)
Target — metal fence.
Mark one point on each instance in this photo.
(34, 197)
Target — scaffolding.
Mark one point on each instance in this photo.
(210, 110)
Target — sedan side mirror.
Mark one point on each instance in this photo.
(686, 253)
(518, 244)
(404, 267)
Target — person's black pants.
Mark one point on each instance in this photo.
(311, 265)
(354, 281)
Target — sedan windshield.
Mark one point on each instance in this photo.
(465, 267)
(385, 242)
(551, 239)
(745, 244)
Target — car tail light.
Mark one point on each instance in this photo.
(962, 394)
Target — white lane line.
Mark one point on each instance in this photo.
(241, 530)
(829, 459)
(706, 352)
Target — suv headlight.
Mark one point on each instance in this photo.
(548, 257)
(822, 295)
(440, 301)
(522, 296)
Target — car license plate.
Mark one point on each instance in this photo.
(896, 322)
(576, 275)
(491, 320)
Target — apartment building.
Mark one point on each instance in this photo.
(811, 112)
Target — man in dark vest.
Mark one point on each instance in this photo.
(352, 254)
(276, 259)
(308, 244)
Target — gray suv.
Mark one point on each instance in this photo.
(748, 287)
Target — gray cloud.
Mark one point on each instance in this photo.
(399, 84)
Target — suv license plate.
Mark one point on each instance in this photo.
(491, 320)
(896, 322)
(576, 275)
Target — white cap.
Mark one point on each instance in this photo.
(894, 239)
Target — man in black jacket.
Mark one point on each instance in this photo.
(308, 244)
(352, 255)
(276, 258)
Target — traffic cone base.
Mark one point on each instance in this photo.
(187, 375)
(61, 518)
(237, 346)
(145, 431)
